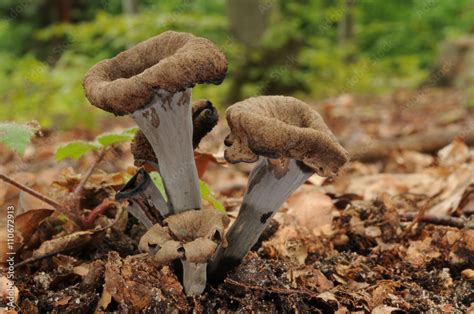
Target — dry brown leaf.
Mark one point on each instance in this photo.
(373, 186)
(468, 274)
(27, 223)
(63, 301)
(454, 154)
(385, 309)
(288, 243)
(306, 204)
(421, 252)
(204, 159)
(135, 281)
(309, 277)
(455, 186)
(63, 243)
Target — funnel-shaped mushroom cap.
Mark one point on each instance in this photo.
(171, 61)
(282, 127)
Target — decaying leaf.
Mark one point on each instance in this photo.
(135, 282)
(67, 242)
(421, 252)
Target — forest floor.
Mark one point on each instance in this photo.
(394, 235)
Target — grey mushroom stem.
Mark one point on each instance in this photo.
(167, 124)
(145, 201)
(269, 186)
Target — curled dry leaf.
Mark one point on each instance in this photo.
(192, 235)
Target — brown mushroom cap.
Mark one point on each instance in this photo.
(282, 127)
(192, 235)
(171, 61)
(205, 118)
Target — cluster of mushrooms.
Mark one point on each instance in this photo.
(152, 83)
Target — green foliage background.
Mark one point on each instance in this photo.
(395, 43)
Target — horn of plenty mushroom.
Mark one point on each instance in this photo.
(152, 82)
(294, 143)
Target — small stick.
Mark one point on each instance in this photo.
(76, 195)
(416, 218)
(99, 209)
(432, 219)
(32, 192)
(270, 290)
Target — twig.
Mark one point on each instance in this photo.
(32, 192)
(432, 219)
(416, 218)
(76, 195)
(270, 290)
(99, 209)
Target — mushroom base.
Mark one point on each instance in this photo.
(267, 189)
(167, 124)
(194, 277)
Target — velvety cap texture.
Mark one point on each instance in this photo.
(282, 127)
(171, 61)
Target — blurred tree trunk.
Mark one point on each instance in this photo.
(248, 19)
(130, 6)
(247, 25)
(346, 29)
(64, 8)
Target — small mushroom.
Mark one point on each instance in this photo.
(152, 82)
(145, 201)
(294, 143)
(191, 236)
(205, 117)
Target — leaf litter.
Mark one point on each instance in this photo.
(377, 239)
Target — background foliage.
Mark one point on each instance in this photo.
(309, 48)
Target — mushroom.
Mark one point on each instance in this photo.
(205, 117)
(152, 82)
(294, 142)
(145, 201)
(191, 236)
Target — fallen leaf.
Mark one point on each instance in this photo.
(421, 252)
(308, 203)
(135, 281)
(27, 223)
(63, 243)
(468, 274)
(456, 153)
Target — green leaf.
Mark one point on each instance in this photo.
(116, 138)
(156, 178)
(206, 194)
(15, 136)
(75, 150)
